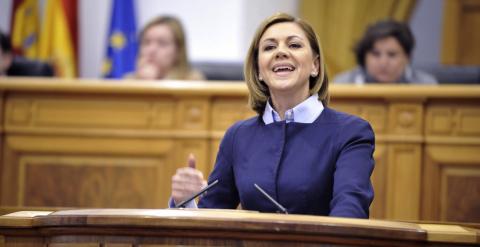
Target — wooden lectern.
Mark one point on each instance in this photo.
(200, 227)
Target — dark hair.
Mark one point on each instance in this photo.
(5, 43)
(384, 29)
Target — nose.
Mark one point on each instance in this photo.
(384, 60)
(281, 52)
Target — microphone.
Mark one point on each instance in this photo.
(278, 205)
(182, 204)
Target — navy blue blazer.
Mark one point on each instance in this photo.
(319, 168)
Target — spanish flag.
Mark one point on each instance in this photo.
(59, 36)
(24, 26)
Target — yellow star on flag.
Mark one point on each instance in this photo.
(117, 40)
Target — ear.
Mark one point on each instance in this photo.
(315, 66)
(260, 78)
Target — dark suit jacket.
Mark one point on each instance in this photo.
(322, 168)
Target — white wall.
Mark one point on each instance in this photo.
(217, 30)
(5, 15)
(92, 34)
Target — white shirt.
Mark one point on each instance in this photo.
(305, 112)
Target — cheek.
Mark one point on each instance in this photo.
(145, 49)
(370, 62)
(166, 55)
(263, 63)
(401, 62)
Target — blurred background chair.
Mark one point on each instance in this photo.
(451, 74)
(221, 71)
(26, 67)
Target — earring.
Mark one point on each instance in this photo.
(260, 78)
(313, 74)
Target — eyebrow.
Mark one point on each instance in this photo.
(288, 38)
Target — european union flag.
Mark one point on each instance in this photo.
(122, 40)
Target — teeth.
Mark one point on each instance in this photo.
(283, 67)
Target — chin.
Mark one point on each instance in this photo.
(384, 79)
(283, 83)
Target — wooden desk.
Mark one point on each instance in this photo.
(131, 227)
(101, 143)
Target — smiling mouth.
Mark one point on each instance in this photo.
(283, 69)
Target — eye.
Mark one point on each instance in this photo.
(295, 45)
(375, 53)
(145, 41)
(268, 47)
(163, 42)
(392, 54)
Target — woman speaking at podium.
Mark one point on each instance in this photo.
(307, 157)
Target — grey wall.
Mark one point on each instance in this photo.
(5, 8)
(426, 24)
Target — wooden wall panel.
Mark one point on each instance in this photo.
(452, 183)
(453, 120)
(403, 182)
(374, 111)
(199, 148)
(405, 118)
(77, 112)
(460, 32)
(86, 172)
(379, 182)
(460, 198)
(79, 143)
(193, 114)
(226, 111)
(214, 147)
(84, 181)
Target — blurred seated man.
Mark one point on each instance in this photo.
(383, 55)
(11, 65)
(163, 53)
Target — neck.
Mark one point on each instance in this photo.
(283, 101)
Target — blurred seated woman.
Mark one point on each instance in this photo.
(163, 52)
(383, 55)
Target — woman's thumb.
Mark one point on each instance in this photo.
(191, 161)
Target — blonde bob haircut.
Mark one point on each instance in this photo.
(181, 67)
(259, 93)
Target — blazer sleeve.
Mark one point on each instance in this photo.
(352, 188)
(224, 194)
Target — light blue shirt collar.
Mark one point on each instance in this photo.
(305, 112)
